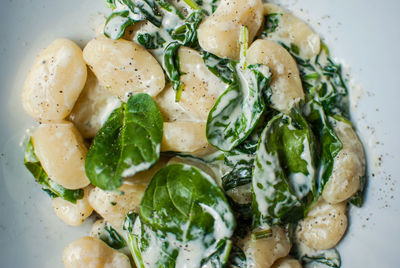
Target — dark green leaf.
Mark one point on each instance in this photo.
(111, 237)
(186, 34)
(128, 142)
(237, 258)
(219, 67)
(54, 190)
(150, 41)
(271, 23)
(171, 66)
(284, 172)
(329, 143)
(358, 198)
(237, 111)
(187, 215)
(116, 24)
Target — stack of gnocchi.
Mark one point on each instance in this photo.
(71, 93)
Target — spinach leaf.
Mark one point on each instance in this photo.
(171, 66)
(186, 34)
(284, 172)
(271, 23)
(238, 110)
(111, 237)
(116, 24)
(329, 143)
(53, 189)
(128, 142)
(241, 169)
(184, 218)
(319, 258)
(237, 258)
(218, 66)
(323, 80)
(150, 41)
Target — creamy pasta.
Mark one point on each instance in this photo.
(196, 134)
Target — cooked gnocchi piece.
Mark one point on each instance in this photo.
(202, 88)
(287, 263)
(219, 33)
(348, 168)
(286, 85)
(262, 253)
(292, 30)
(93, 107)
(124, 67)
(54, 82)
(62, 151)
(92, 252)
(185, 137)
(73, 214)
(324, 225)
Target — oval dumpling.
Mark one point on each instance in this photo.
(124, 67)
(54, 82)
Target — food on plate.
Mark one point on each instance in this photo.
(196, 134)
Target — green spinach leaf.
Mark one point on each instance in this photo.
(218, 66)
(238, 110)
(329, 143)
(271, 23)
(111, 237)
(150, 41)
(184, 218)
(284, 172)
(128, 142)
(53, 189)
(171, 66)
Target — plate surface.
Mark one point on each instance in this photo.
(361, 34)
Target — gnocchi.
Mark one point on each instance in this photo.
(292, 30)
(73, 214)
(348, 168)
(185, 137)
(124, 67)
(54, 82)
(324, 225)
(93, 107)
(62, 151)
(262, 253)
(89, 252)
(219, 33)
(287, 263)
(286, 85)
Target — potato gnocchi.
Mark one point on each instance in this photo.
(196, 134)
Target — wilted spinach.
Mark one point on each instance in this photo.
(128, 142)
(187, 216)
(53, 189)
(271, 23)
(238, 110)
(329, 143)
(284, 170)
(218, 66)
(150, 41)
(111, 237)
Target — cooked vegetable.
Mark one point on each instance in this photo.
(237, 111)
(128, 142)
(284, 172)
(187, 216)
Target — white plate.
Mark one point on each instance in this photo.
(362, 33)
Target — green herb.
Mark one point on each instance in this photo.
(112, 238)
(218, 66)
(53, 189)
(284, 170)
(150, 41)
(116, 24)
(182, 210)
(358, 198)
(261, 234)
(171, 66)
(128, 142)
(237, 258)
(271, 23)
